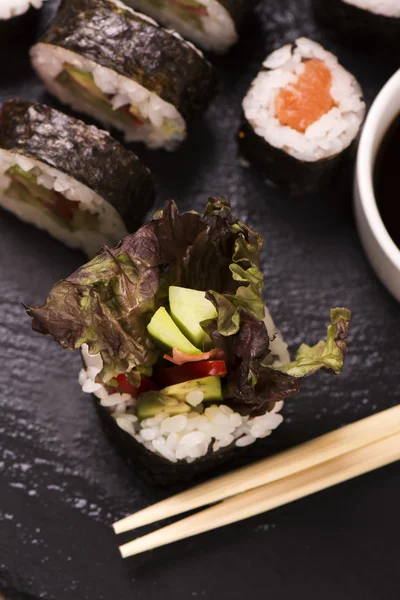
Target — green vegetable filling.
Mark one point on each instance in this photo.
(82, 85)
(131, 302)
(66, 213)
(188, 11)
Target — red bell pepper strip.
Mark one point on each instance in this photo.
(189, 371)
(125, 387)
(200, 10)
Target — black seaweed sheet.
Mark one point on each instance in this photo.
(62, 483)
(283, 170)
(136, 48)
(155, 469)
(360, 29)
(83, 152)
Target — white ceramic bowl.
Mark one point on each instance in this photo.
(379, 246)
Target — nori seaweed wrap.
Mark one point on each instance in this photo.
(301, 117)
(373, 27)
(211, 24)
(120, 67)
(69, 178)
(184, 289)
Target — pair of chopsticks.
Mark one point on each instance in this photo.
(296, 473)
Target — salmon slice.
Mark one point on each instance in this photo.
(303, 103)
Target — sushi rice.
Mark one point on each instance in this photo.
(111, 226)
(387, 8)
(330, 134)
(191, 435)
(216, 31)
(164, 126)
(16, 8)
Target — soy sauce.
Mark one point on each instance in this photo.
(387, 180)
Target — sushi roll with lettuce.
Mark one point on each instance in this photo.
(369, 25)
(118, 66)
(211, 24)
(68, 178)
(301, 117)
(184, 360)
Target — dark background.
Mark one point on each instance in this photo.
(61, 482)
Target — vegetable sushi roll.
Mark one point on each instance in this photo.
(211, 24)
(120, 67)
(186, 363)
(372, 25)
(301, 116)
(68, 178)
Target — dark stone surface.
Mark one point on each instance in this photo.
(61, 482)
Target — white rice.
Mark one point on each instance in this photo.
(15, 8)
(163, 127)
(328, 136)
(187, 436)
(217, 31)
(111, 226)
(387, 8)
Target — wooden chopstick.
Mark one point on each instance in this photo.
(272, 495)
(305, 456)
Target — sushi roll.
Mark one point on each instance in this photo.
(68, 178)
(301, 117)
(211, 24)
(371, 25)
(118, 66)
(186, 364)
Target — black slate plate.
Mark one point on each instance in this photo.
(61, 482)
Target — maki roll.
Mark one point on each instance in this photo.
(186, 364)
(68, 178)
(301, 116)
(120, 67)
(372, 25)
(211, 24)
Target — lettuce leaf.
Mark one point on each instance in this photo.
(109, 302)
(328, 355)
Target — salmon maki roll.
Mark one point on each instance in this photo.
(302, 115)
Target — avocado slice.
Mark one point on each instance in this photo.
(152, 403)
(66, 213)
(172, 399)
(164, 330)
(188, 309)
(209, 386)
(82, 85)
(85, 80)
